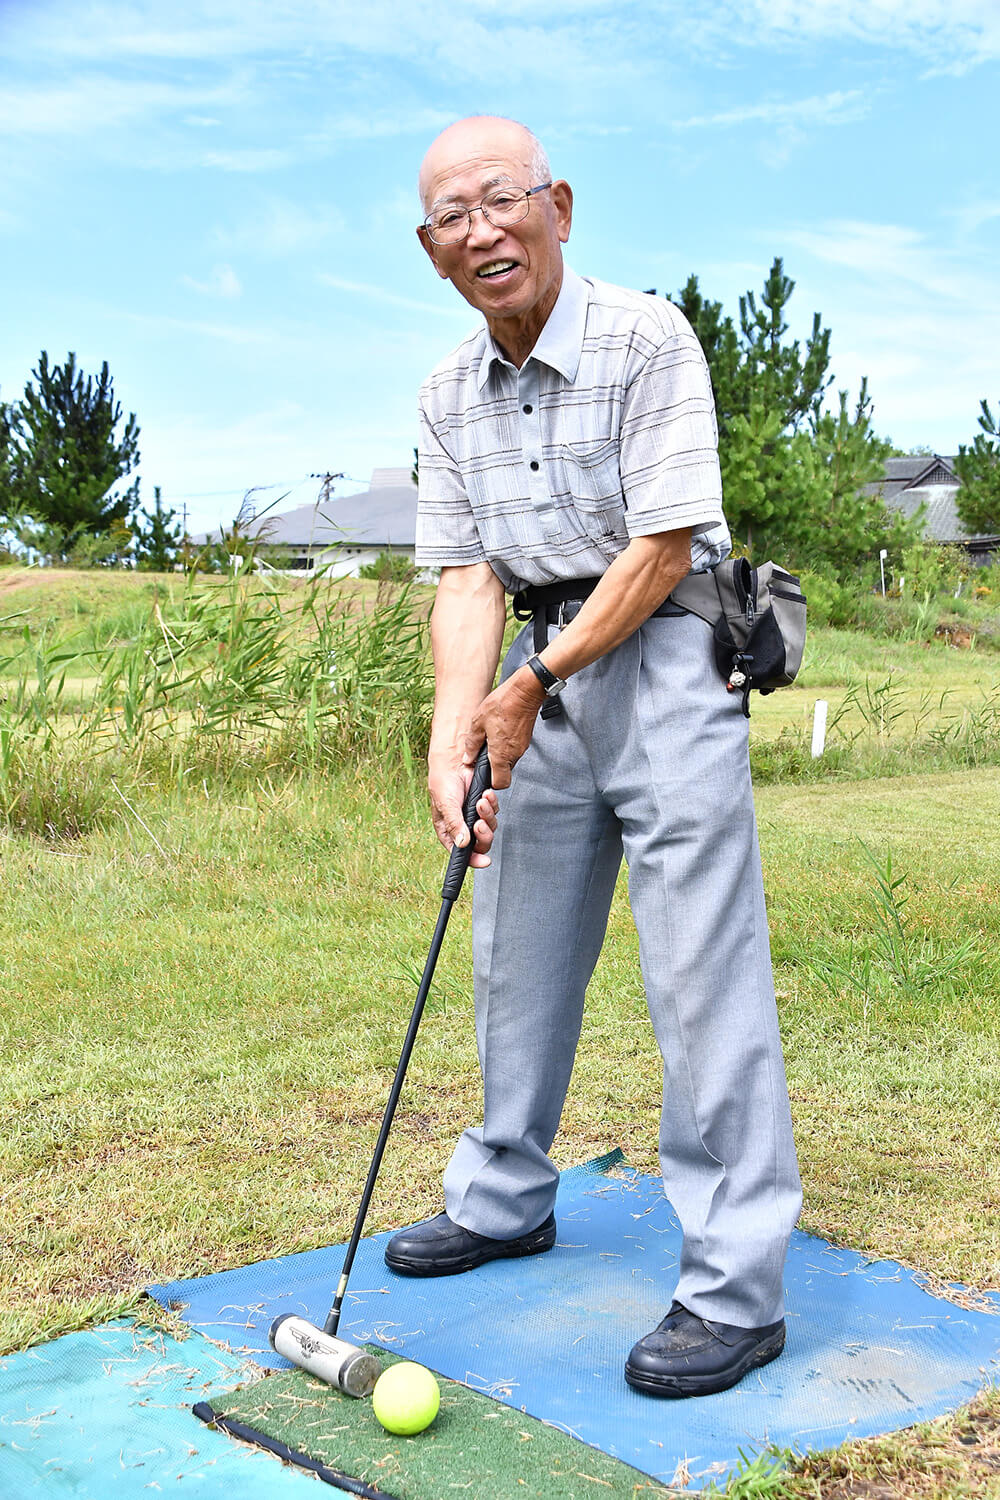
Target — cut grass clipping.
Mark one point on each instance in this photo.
(476, 1448)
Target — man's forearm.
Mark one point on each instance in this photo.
(635, 584)
(467, 626)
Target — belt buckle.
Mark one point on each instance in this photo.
(561, 620)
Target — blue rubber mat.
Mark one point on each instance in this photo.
(108, 1412)
(869, 1349)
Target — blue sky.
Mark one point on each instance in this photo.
(218, 198)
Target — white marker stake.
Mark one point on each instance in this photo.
(881, 567)
(819, 728)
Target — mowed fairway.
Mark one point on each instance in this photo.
(218, 894)
(199, 1037)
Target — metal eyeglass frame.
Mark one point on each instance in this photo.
(526, 193)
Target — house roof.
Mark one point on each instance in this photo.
(941, 523)
(383, 515)
(928, 480)
(914, 470)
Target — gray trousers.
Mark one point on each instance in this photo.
(649, 757)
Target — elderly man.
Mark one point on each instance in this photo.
(568, 456)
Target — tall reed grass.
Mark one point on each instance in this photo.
(249, 674)
(243, 674)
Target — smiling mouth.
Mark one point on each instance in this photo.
(495, 268)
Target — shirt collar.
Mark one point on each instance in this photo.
(560, 343)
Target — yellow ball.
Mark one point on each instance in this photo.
(406, 1398)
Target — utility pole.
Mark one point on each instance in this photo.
(327, 481)
(326, 485)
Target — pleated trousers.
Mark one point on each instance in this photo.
(649, 758)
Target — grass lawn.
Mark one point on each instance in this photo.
(205, 997)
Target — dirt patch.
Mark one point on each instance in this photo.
(959, 636)
(22, 580)
(956, 1456)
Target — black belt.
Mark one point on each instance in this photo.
(546, 604)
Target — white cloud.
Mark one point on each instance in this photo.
(582, 37)
(828, 109)
(223, 282)
(248, 159)
(582, 42)
(381, 125)
(898, 253)
(952, 34)
(970, 217)
(279, 226)
(922, 320)
(241, 335)
(82, 105)
(393, 299)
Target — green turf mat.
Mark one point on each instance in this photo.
(477, 1449)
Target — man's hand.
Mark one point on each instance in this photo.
(467, 625)
(505, 720)
(448, 786)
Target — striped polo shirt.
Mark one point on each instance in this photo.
(607, 432)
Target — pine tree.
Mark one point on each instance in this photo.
(978, 467)
(792, 472)
(158, 543)
(836, 527)
(7, 506)
(68, 450)
(753, 365)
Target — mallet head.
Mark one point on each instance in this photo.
(342, 1365)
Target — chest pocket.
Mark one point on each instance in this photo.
(593, 481)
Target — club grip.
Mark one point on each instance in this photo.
(458, 861)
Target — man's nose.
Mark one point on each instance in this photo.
(482, 232)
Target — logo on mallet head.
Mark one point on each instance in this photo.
(305, 1343)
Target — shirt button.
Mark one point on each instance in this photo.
(534, 464)
(527, 410)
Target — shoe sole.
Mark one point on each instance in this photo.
(704, 1385)
(406, 1266)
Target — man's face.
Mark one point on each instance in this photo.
(503, 272)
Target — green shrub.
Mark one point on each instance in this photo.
(389, 567)
(906, 619)
(828, 601)
(930, 568)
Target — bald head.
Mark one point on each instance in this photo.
(473, 139)
(506, 259)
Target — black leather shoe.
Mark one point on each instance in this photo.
(689, 1356)
(441, 1248)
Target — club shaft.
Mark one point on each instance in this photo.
(333, 1320)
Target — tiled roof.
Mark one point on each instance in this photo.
(928, 480)
(913, 470)
(941, 523)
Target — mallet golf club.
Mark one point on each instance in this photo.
(319, 1351)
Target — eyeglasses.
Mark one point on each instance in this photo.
(502, 207)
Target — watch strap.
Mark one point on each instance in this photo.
(552, 684)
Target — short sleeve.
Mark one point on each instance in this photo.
(669, 442)
(447, 535)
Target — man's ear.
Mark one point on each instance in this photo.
(562, 202)
(431, 249)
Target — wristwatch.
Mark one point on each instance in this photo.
(552, 684)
